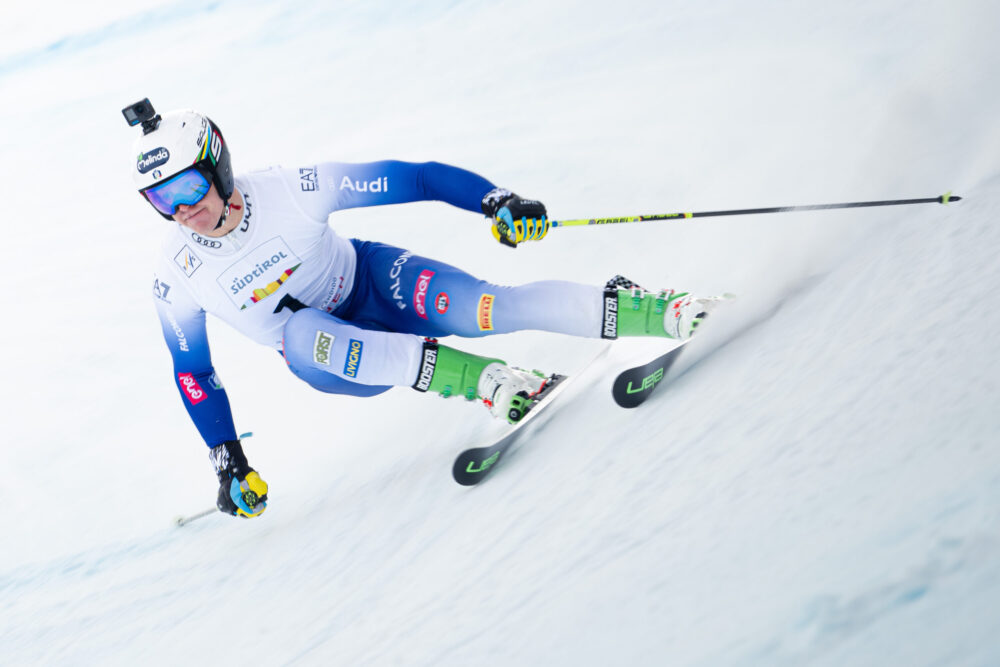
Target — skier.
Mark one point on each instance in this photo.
(349, 316)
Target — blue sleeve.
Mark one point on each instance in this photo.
(202, 393)
(332, 186)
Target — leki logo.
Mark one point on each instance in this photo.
(441, 303)
(195, 394)
(485, 312)
(152, 159)
(321, 348)
(353, 358)
(420, 292)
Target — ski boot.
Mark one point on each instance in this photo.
(508, 392)
(629, 310)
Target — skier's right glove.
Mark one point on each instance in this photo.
(241, 490)
(515, 219)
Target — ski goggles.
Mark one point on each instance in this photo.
(188, 188)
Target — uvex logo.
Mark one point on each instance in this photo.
(420, 292)
(152, 159)
(195, 394)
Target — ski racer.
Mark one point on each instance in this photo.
(349, 316)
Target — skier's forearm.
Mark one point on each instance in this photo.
(207, 404)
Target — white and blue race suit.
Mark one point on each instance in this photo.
(348, 315)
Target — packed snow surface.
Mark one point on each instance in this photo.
(823, 490)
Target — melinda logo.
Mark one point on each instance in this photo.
(152, 159)
(353, 358)
(420, 293)
(195, 394)
(321, 348)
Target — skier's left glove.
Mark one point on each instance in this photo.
(515, 219)
(241, 490)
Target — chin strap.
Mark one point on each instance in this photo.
(225, 213)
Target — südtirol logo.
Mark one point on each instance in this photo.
(259, 273)
(485, 312)
(152, 159)
(321, 347)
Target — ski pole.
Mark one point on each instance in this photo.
(943, 199)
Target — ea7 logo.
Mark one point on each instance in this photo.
(321, 347)
(160, 290)
(308, 181)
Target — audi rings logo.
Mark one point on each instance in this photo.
(208, 243)
(152, 159)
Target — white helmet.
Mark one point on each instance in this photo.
(175, 143)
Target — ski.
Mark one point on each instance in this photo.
(474, 464)
(634, 386)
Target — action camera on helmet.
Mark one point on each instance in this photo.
(142, 112)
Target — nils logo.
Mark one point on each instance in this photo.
(485, 312)
(321, 348)
(195, 394)
(420, 292)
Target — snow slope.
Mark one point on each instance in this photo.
(824, 490)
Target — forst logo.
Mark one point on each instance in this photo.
(321, 348)
(195, 394)
(420, 292)
(610, 316)
(354, 348)
(152, 159)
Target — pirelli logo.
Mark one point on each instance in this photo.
(427, 368)
(610, 328)
(484, 314)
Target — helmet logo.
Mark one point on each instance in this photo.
(154, 158)
(216, 147)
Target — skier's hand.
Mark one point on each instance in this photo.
(241, 490)
(515, 219)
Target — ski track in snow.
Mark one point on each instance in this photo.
(824, 489)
